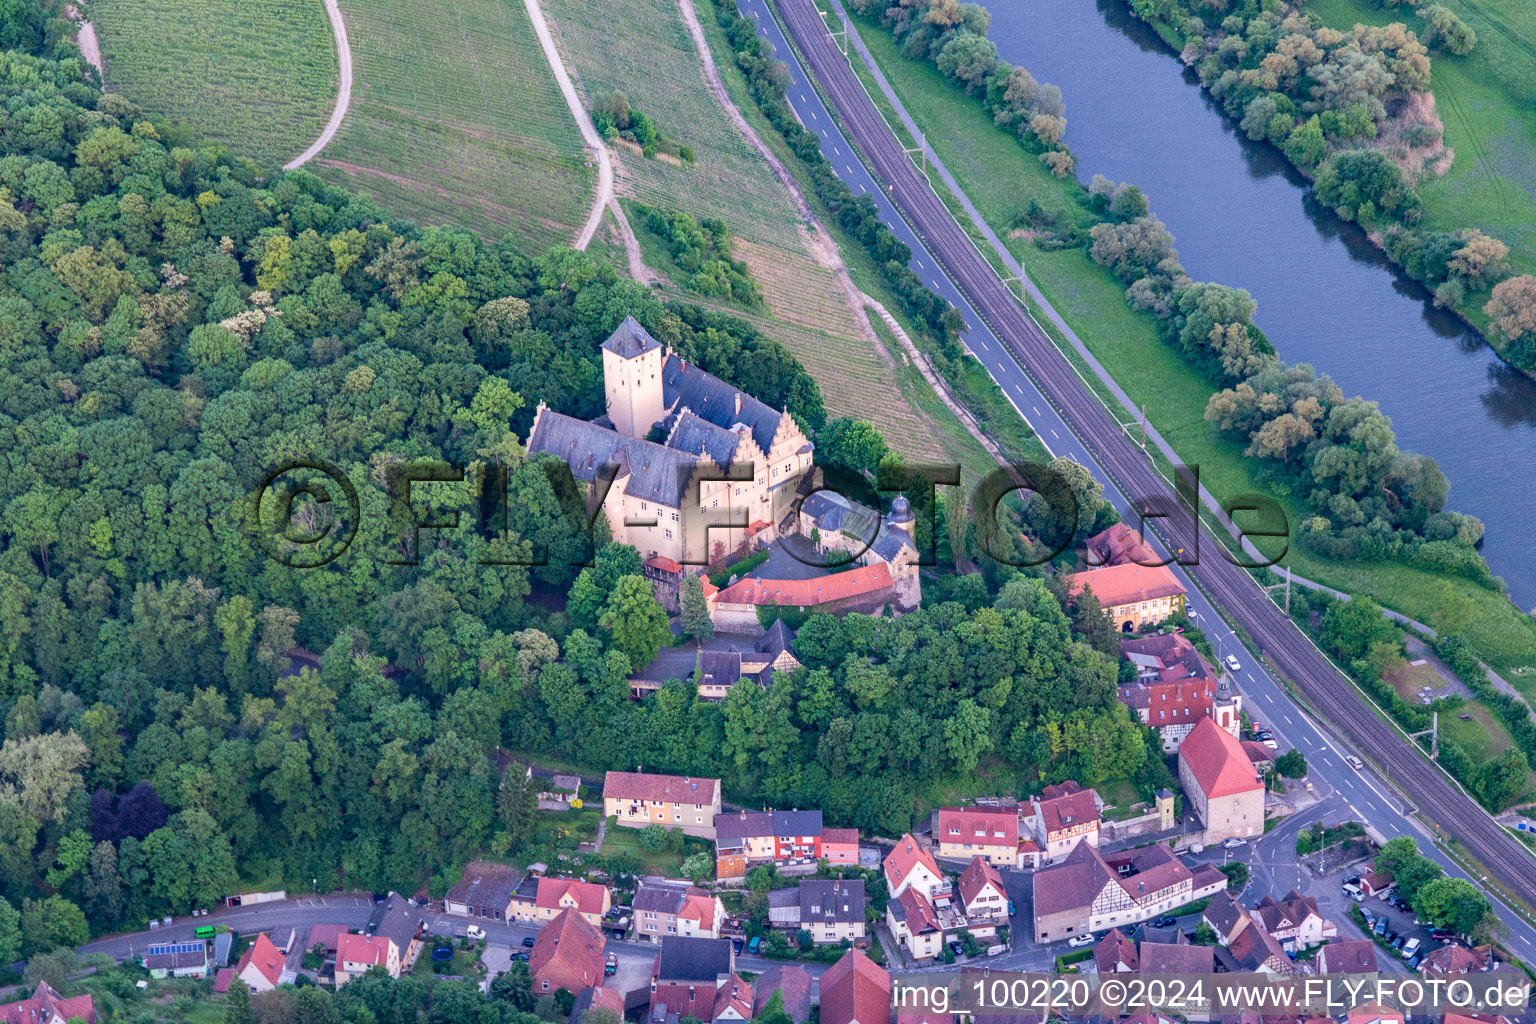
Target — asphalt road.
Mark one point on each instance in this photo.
(1051, 397)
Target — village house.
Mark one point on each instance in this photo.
(484, 890)
(1175, 688)
(984, 898)
(991, 832)
(676, 908)
(915, 923)
(637, 800)
(261, 966)
(687, 974)
(1353, 956)
(358, 954)
(788, 839)
(610, 999)
(792, 983)
(1226, 917)
(1222, 786)
(721, 664)
(1115, 953)
(544, 899)
(187, 958)
(568, 954)
(1135, 597)
(1455, 959)
(399, 922)
(855, 990)
(1294, 921)
(1088, 892)
(831, 910)
(46, 1006)
(1059, 818)
(909, 865)
(1257, 951)
(1118, 545)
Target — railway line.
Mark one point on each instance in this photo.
(1231, 587)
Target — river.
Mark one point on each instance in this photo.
(1242, 217)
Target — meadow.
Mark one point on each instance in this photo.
(456, 119)
(258, 76)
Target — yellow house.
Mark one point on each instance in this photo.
(674, 801)
(1134, 596)
(543, 899)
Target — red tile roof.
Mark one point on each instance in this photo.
(44, 1003)
(837, 586)
(905, 858)
(1065, 807)
(975, 878)
(676, 789)
(265, 958)
(330, 934)
(1453, 959)
(222, 979)
(663, 563)
(1217, 762)
(363, 949)
(1355, 956)
(855, 989)
(1118, 585)
(588, 895)
(1115, 950)
(568, 955)
(736, 995)
(840, 836)
(699, 906)
(1118, 545)
(979, 826)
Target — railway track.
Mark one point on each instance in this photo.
(1230, 586)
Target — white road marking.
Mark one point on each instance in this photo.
(823, 132)
(1054, 434)
(917, 261)
(1037, 410)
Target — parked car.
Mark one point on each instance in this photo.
(1442, 934)
(611, 966)
(528, 941)
(1398, 941)
(1354, 762)
(736, 944)
(1410, 948)
(1233, 663)
(1081, 940)
(755, 944)
(1418, 958)
(956, 948)
(1381, 926)
(1011, 911)
(474, 931)
(519, 956)
(1166, 921)
(1234, 842)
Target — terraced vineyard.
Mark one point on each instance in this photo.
(258, 76)
(456, 119)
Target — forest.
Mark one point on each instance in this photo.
(174, 322)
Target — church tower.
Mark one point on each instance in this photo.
(632, 379)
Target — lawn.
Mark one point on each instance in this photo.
(258, 76)
(619, 839)
(456, 119)
(1001, 179)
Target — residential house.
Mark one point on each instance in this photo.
(1226, 917)
(1294, 921)
(1176, 958)
(637, 800)
(670, 498)
(1175, 688)
(915, 924)
(1353, 956)
(688, 972)
(560, 790)
(568, 954)
(791, 983)
(1455, 959)
(1373, 1013)
(908, 865)
(1222, 786)
(1115, 953)
(984, 898)
(1059, 818)
(610, 999)
(485, 890)
(855, 990)
(356, 955)
(991, 832)
(675, 908)
(840, 845)
(1262, 756)
(261, 966)
(187, 958)
(402, 924)
(733, 1001)
(1088, 892)
(832, 911)
(544, 898)
(785, 838)
(1257, 951)
(46, 1006)
(1134, 596)
(1118, 545)
(326, 936)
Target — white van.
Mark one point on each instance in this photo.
(1409, 948)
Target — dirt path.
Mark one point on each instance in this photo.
(343, 89)
(583, 122)
(85, 38)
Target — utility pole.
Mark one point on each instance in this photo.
(1434, 736)
(921, 149)
(1287, 594)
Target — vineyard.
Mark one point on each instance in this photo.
(258, 76)
(456, 119)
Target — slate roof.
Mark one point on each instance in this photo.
(712, 399)
(1356, 956)
(395, 919)
(629, 339)
(1218, 764)
(660, 897)
(791, 979)
(855, 989)
(648, 471)
(1180, 958)
(832, 902)
(484, 884)
(797, 823)
(697, 436)
(685, 958)
(721, 668)
(777, 639)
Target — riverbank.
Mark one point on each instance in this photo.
(1014, 193)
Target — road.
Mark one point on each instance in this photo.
(343, 89)
(1052, 398)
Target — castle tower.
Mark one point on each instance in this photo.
(632, 379)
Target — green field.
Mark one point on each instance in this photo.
(1487, 101)
(1001, 180)
(456, 119)
(258, 76)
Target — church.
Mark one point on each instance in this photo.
(672, 434)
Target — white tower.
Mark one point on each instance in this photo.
(632, 379)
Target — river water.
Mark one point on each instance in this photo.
(1326, 296)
